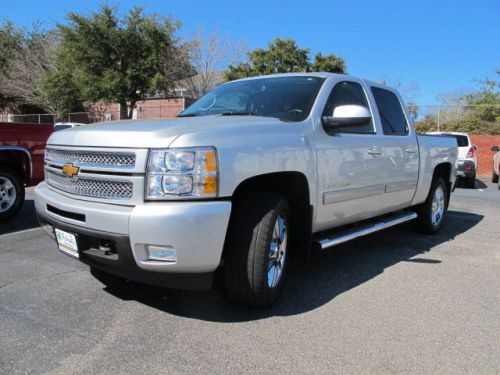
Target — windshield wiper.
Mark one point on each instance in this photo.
(238, 114)
(188, 115)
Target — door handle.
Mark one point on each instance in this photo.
(375, 151)
(411, 149)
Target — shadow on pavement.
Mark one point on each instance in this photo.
(25, 219)
(309, 285)
(479, 184)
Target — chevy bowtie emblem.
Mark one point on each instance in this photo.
(70, 170)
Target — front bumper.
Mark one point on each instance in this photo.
(466, 168)
(195, 230)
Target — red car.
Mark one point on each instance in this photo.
(22, 148)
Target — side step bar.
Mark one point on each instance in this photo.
(347, 235)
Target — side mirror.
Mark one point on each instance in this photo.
(495, 149)
(475, 148)
(347, 115)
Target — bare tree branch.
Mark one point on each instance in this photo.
(210, 54)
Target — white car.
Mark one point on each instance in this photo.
(467, 159)
(66, 125)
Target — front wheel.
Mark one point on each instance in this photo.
(431, 213)
(11, 193)
(256, 249)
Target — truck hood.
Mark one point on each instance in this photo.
(151, 133)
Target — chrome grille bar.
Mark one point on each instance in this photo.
(90, 187)
(96, 159)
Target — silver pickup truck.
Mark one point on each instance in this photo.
(255, 172)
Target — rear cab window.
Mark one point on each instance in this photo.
(391, 112)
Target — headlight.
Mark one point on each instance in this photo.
(180, 173)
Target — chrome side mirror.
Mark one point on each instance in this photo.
(347, 115)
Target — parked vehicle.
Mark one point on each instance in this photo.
(254, 172)
(22, 149)
(496, 165)
(66, 125)
(467, 158)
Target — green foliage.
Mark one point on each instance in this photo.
(329, 63)
(479, 115)
(283, 56)
(113, 59)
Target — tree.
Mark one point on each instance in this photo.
(329, 63)
(485, 103)
(113, 59)
(28, 63)
(282, 56)
(10, 43)
(210, 55)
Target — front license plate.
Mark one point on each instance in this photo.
(67, 243)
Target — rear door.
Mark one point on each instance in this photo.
(400, 149)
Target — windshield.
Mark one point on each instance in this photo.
(61, 127)
(286, 98)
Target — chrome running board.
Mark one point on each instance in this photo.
(348, 235)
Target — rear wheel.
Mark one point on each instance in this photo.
(494, 177)
(11, 193)
(257, 249)
(431, 213)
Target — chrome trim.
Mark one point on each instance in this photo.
(17, 148)
(350, 194)
(400, 186)
(124, 187)
(329, 242)
(76, 155)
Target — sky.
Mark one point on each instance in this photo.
(432, 47)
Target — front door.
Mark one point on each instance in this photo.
(351, 165)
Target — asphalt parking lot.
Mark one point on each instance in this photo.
(395, 302)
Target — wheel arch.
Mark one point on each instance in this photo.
(19, 159)
(294, 187)
(443, 170)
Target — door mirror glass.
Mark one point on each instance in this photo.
(495, 149)
(347, 115)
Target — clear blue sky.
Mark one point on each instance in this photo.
(440, 45)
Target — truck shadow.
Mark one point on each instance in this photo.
(25, 219)
(309, 285)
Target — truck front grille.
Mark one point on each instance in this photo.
(90, 187)
(97, 159)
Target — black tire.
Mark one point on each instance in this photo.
(424, 221)
(248, 248)
(11, 187)
(470, 182)
(494, 177)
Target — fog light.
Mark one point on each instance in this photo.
(162, 254)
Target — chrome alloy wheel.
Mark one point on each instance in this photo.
(438, 204)
(7, 194)
(277, 252)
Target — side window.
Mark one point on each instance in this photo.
(348, 93)
(391, 113)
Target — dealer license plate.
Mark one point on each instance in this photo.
(67, 243)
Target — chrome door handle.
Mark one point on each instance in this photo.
(375, 151)
(411, 149)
